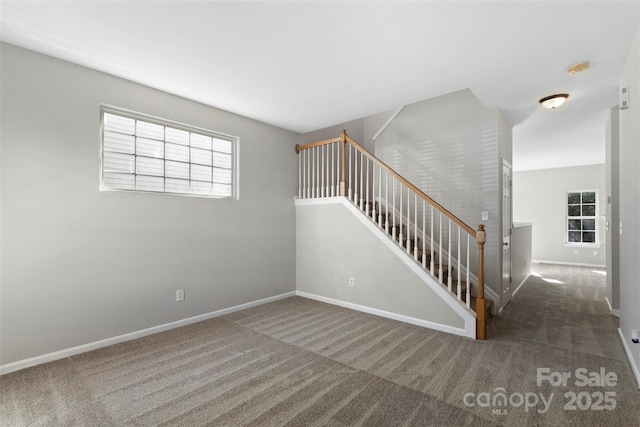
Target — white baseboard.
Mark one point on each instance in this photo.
(577, 264)
(61, 354)
(469, 331)
(632, 361)
(520, 285)
(611, 310)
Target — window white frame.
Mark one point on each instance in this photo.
(142, 153)
(579, 220)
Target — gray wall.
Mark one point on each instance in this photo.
(613, 209)
(539, 197)
(332, 245)
(451, 147)
(80, 265)
(353, 128)
(360, 130)
(520, 253)
(630, 204)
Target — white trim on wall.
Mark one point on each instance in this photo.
(577, 264)
(611, 310)
(387, 123)
(469, 325)
(632, 362)
(520, 286)
(61, 354)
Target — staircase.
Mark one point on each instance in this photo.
(413, 246)
(438, 241)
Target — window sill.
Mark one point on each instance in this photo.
(583, 245)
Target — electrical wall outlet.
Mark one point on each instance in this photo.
(575, 252)
(180, 295)
(352, 282)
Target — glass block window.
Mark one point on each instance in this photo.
(146, 154)
(581, 217)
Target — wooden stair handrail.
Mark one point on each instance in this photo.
(316, 144)
(344, 138)
(413, 188)
(479, 235)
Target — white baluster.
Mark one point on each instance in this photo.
(299, 175)
(432, 266)
(338, 168)
(415, 227)
(337, 173)
(318, 169)
(304, 174)
(468, 268)
(386, 202)
(313, 174)
(366, 194)
(440, 250)
(459, 267)
(355, 177)
(449, 278)
(393, 208)
(374, 217)
(328, 186)
(400, 236)
(332, 182)
(350, 180)
(409, 221)
(379, 198)
(322, 171)
(361, 178)
(424, 239)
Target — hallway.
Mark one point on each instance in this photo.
(562, 306)
(560, 320)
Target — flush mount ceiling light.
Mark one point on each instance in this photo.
(554, 101)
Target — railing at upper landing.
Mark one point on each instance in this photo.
(341, 167)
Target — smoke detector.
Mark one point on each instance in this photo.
(578, 68)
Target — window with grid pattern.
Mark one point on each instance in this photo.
(581, 217)
(143, 154)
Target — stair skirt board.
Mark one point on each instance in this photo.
(83, 348)
(459, 307)
(470, 325)
(489, 293)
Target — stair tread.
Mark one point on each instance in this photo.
(382, 217)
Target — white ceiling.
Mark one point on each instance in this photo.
(305, 65)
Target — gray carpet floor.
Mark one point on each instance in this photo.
(299, 362)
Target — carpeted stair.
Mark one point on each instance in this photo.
(370, 207)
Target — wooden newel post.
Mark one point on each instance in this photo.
(343, 179)
(481, 315)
